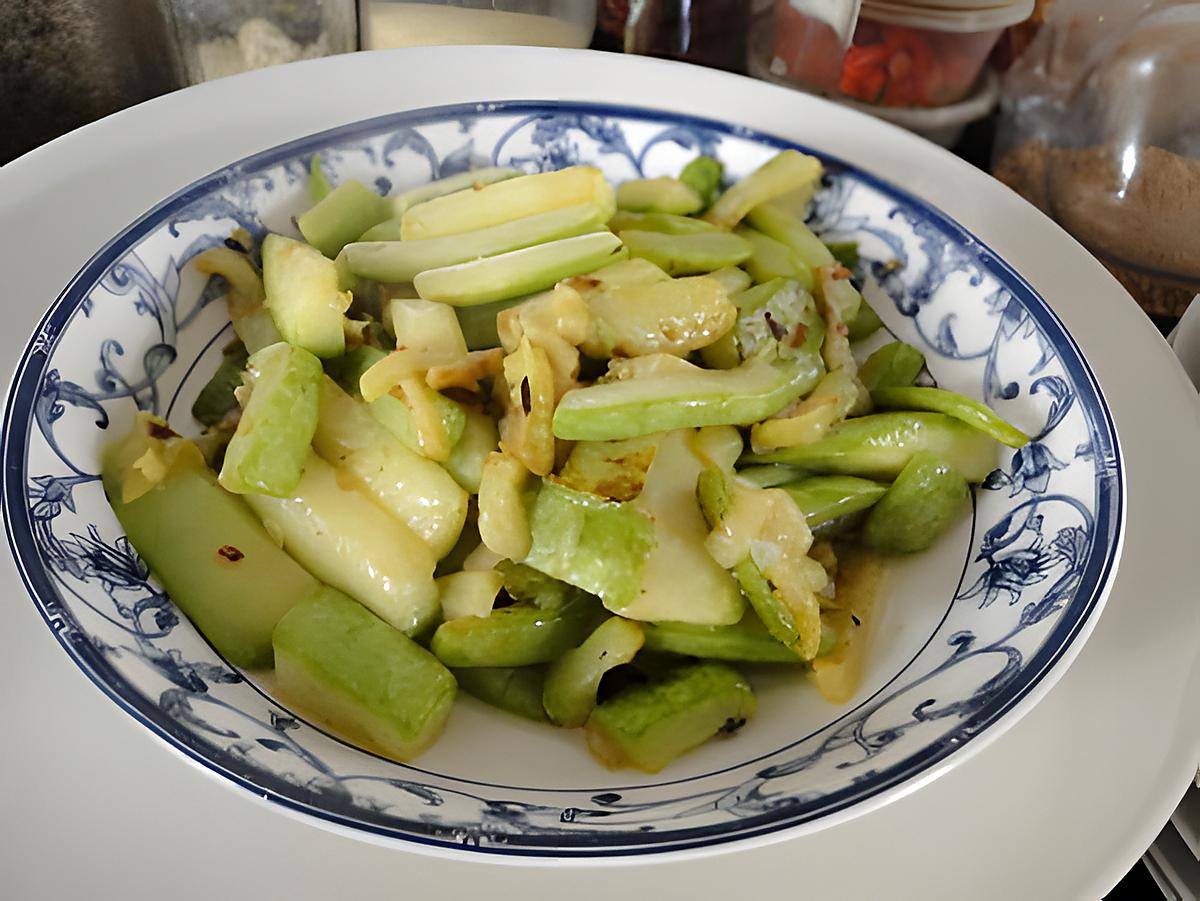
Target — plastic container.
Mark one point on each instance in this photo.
(533, 23)
(1101, 129)
(943, 125)
(900, 54)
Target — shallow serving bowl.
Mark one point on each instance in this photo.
(970, 634)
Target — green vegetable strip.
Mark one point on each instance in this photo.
(267, 452)
(515, 636)
(747, 642)
(713, 491)
(894, 365)
(658, 195)
(962, 408)
(475, 178)
(251, 322)
(318, 184)
(879, 446)
(391, 412)
(687, 254)
(413, 489)
(402, 261)
(865, 324)
(504, 201)
(212, 555)
(641, 406)
(343, 538)
(666, 223)
(517, 689)
(772, 475)
(573, 680)
(478, 323)
(647, 726)
(518, 272)
(215, 400)
(341, 216)
(786, 172)
(303, 297)
(770, 260)
(387, 230)
(480, 437)
(732, 279)
(825, 498)
(792, 232)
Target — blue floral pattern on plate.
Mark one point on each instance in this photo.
(137, 330)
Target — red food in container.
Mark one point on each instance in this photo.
(900, 55)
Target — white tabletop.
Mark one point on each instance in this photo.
(1060, 806)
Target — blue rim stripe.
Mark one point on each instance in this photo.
(596, 843)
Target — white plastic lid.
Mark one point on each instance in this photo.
(939, 15)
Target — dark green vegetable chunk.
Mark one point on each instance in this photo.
(342, 664)
(961, 407)
(647, 726)
(845, 252)
(865, 323)
(520, 635)
(922, 503)
(215, 400)
(893, 365)
(703, 175)
(517, 689)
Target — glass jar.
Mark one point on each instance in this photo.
(535, 23)
(223, 37)
(708, 32)
(1101, 129)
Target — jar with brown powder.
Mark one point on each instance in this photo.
(1101, 130)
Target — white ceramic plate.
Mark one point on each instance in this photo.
(967, 632)
(852, 132)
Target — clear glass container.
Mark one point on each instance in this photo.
(1101, 129)
(536, 23)
(223, 37)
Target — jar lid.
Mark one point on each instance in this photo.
(939, 16)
